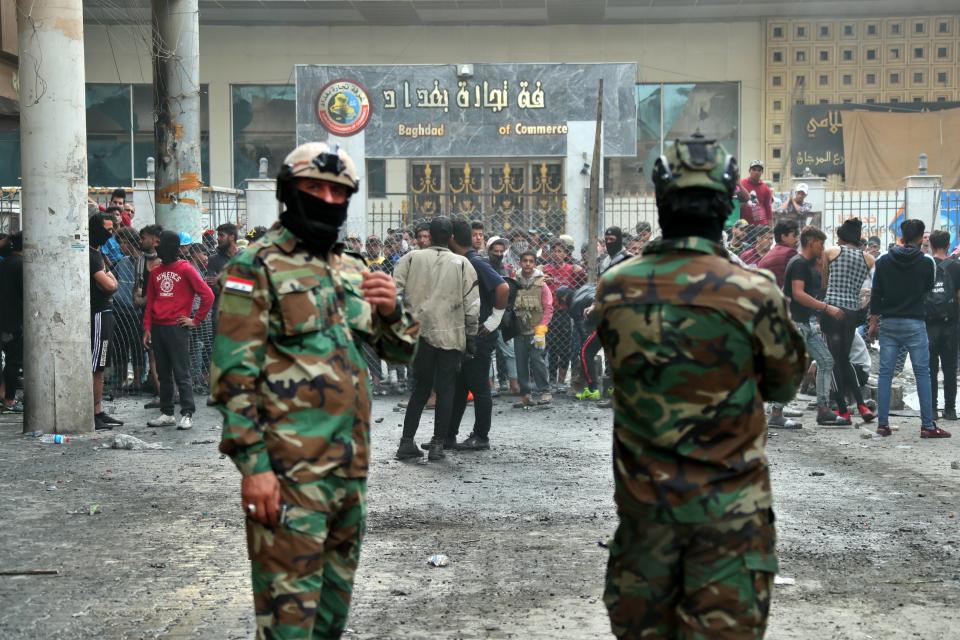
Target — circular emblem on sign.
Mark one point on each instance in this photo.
(343, 107)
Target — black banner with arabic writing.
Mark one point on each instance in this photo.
(817, 133)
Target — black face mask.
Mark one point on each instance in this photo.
(314, 221)
(613, 248)
(496, 261)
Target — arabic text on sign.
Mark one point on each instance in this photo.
(483, 95)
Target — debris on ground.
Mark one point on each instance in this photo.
(438, 560)
(209, 441)
(817, 473)
(783, 580)
(955, 464)
(866, 434)
(86, 510)
(130, 443)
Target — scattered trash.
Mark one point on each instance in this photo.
(843, 443)
(86, 510)
(818, 473)
(54, 438)
(123, 441)
(955, 464)
(211, 441)
(904, 446)
(866, 434)
(33, 434)
(438, 560)
(784, 580)
(31, 572)
(398, 592)
(158, 565)
(79, 614)
(603, 544)
(51, 487)
(378, 420)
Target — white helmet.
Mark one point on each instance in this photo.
(317, 161)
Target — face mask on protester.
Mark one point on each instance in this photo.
(315, 221)
(98, 235)
(614, 247)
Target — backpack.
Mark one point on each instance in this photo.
(941, 302)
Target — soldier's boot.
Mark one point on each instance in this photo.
(408, 449)
(436, 450)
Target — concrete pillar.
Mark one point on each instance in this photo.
(922, 196)
(58, 383)
(262, 205)
(176, 81)
(580, 138)
(143, 197)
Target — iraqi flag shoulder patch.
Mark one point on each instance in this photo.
(242, 286)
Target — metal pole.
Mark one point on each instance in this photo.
(594, 207)
(176, 101)
(58, 383)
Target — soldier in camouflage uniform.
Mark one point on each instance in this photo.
(696, 343)
(290, 380)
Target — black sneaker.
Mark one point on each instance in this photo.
(436, 450)
(474, 443)
(105, 418)
(100, 425)
(949, 414)
(449, 445)
(408, 449)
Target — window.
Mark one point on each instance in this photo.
(824, 80)
(918, 77)
(918, 99)
(872, 29)
(264, 126)
(778, 56)
(776, 153)
(871, 54)
(801, 55)
(847, 101)
(894, 78)
(942, 77)
(895, 53)
(847, 55)
(777, 129)
(824, 31)
(377, 178)
(895, 29)
(943, 27)
(824, 55)
(848, 30)
(778, 32)
(918, 53)
(776, 176)
(871, 100)
(666, 112)
(777, 81)
(801, 81)
(801, 31)
(894, 100)
(942, 52)
(941, 99)
(871, 78)
(823, 101)
(847, 79)
(778, 105)
(919, 28)
(799, 101)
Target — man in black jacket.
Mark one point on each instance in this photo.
(11, 322)
(901, 280)
(942, 324)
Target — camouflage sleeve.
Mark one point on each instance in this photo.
(238, 359)
(393, 341)
(779, 352)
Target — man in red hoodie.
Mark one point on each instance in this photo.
(167, 323)
(759, 206)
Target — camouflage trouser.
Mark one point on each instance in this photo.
(691, 581)
(303, 568)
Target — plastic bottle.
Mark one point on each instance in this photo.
(54, 438)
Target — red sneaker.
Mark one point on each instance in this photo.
(865, 413)
(884, 430)
(843, 419)
(935, 432)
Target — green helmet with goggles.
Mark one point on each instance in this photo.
(695, 163)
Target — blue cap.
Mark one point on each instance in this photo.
(185, 239)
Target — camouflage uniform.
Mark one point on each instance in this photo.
(696, 343)
(290, 380)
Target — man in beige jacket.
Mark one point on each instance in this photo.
(440, 289)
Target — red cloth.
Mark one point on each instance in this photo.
(170, 292)
(126, 219)
(776, 261)
(751, 257)
(763, 212)
(564, 275)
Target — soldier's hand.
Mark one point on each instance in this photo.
(262, 492)
(380, 291)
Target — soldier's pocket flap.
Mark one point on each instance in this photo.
(305, 522)
(757, 561)
(301, 305)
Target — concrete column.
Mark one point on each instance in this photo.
(58, 383)
(262, 205)
(922, 197)
(144, 202)
(580, 138)
(357, 214)
(176, 81)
